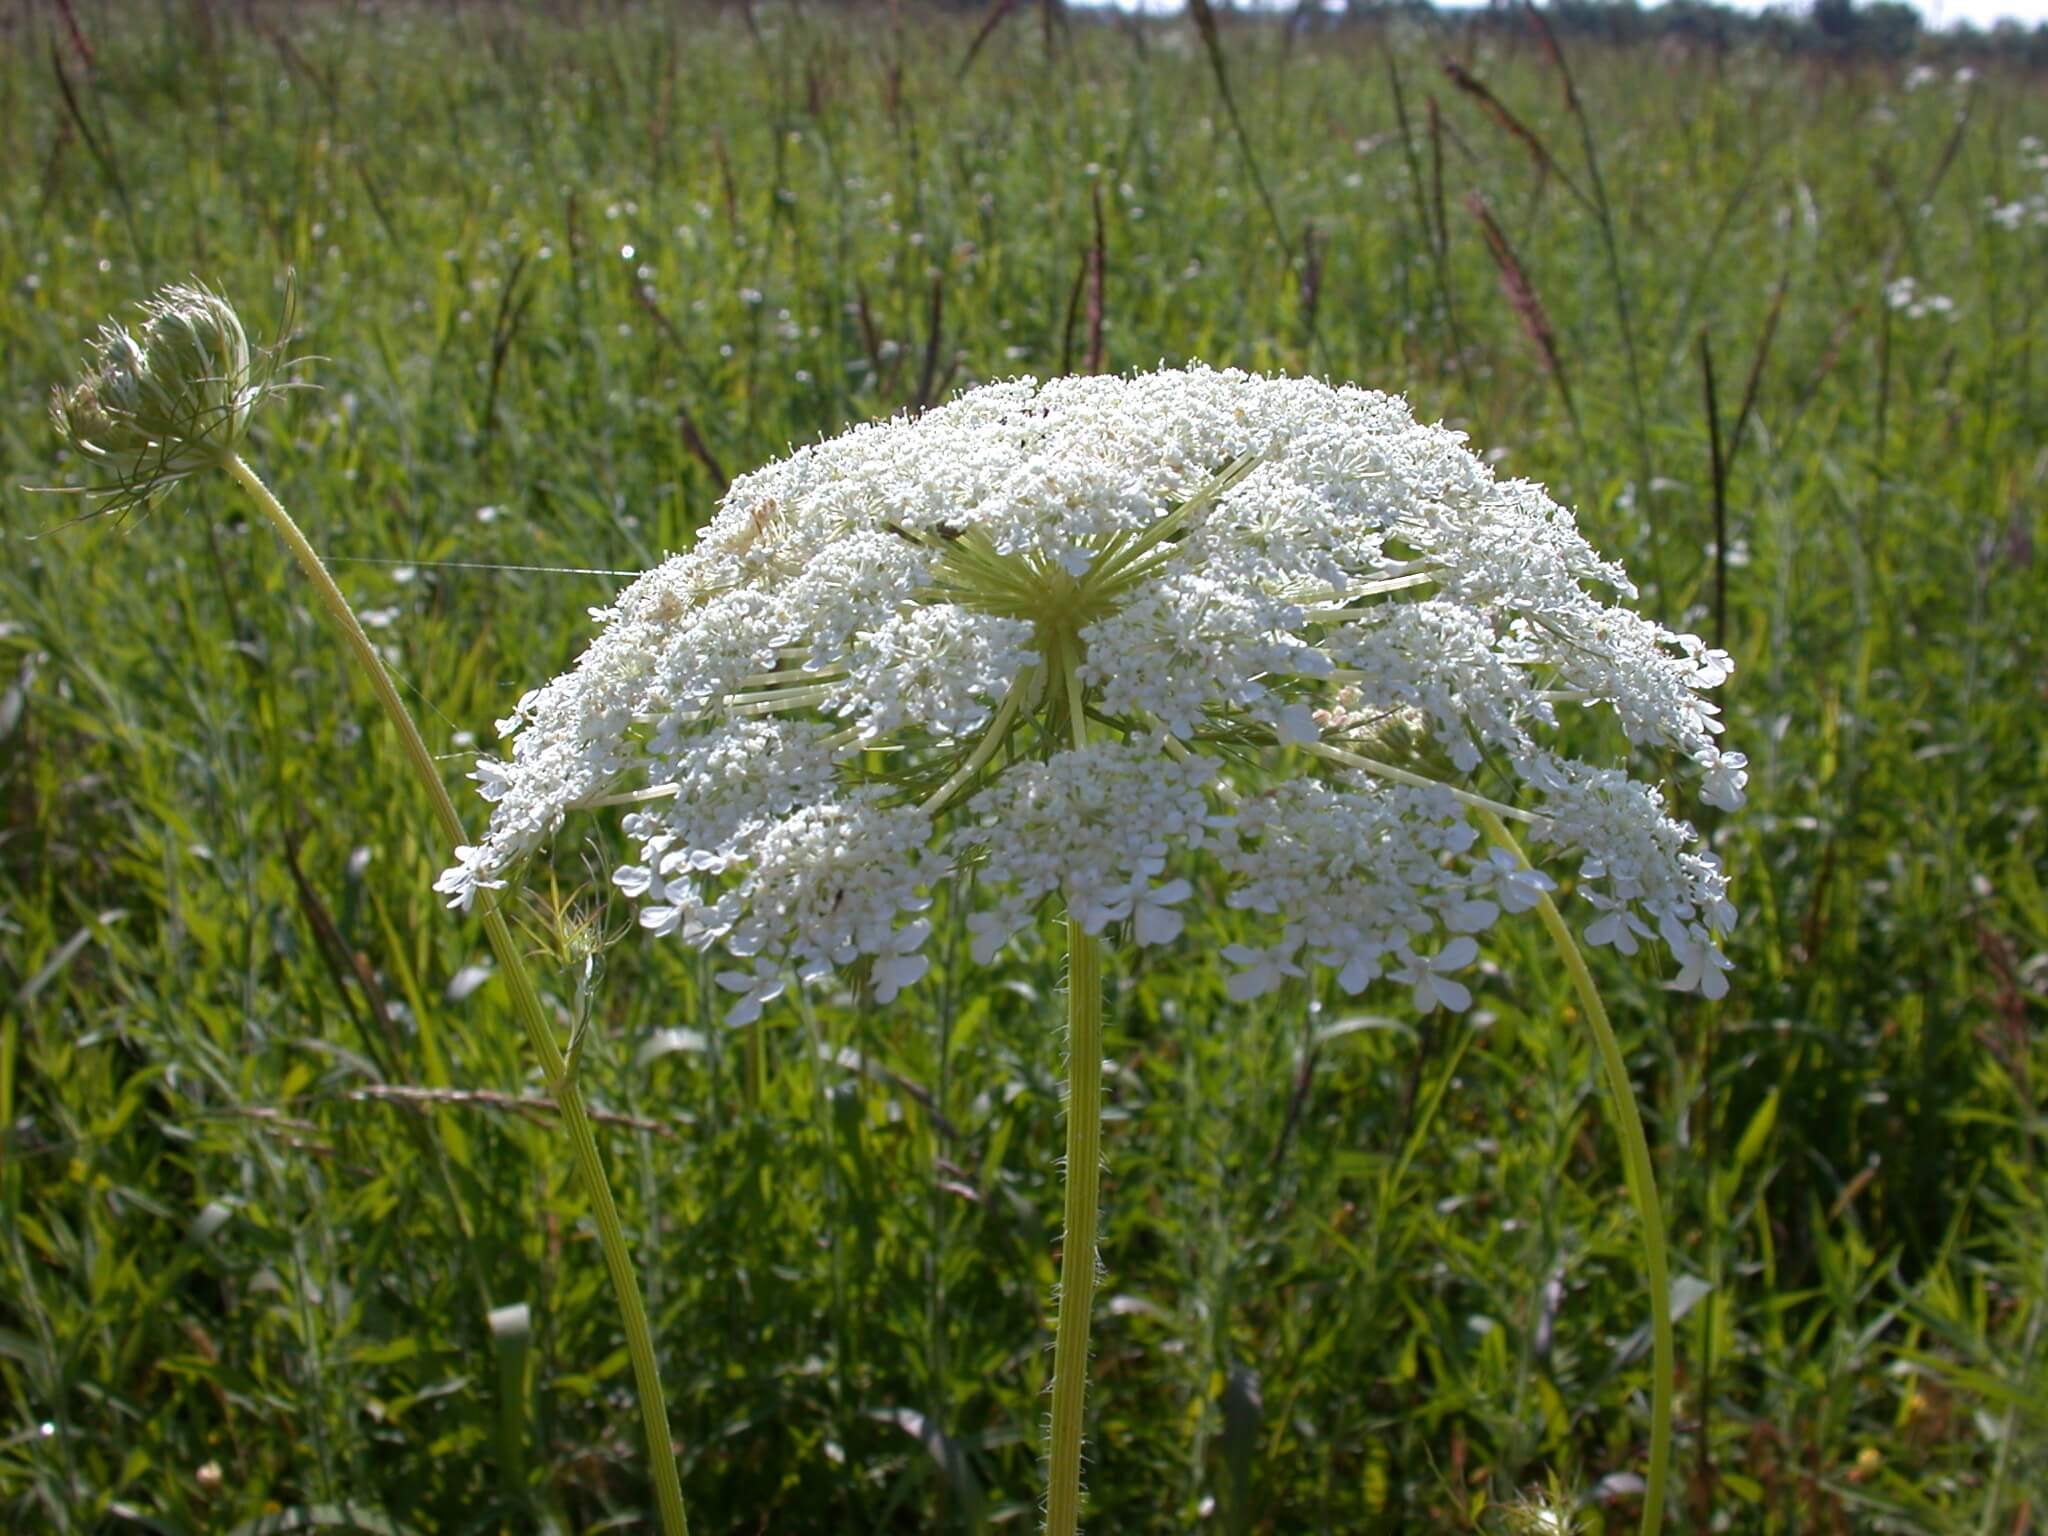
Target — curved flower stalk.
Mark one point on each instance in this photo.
(176, 401)
(1088, 636)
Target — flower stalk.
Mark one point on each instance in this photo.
(526, 1002)
(1641, 1176)
(1084, 1179)
(1077, 1246)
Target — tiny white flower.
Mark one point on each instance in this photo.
(1261, 970)
(470, 873)
(989, 931)
(758, 988)
(1296, 726)
(900, 963)
(1516, 885)
(1360, 969)
(1428, 976)
(1616, 926)
(1468, 916)
(1723, 783)
(1153, 920)
(1702, 968)
(660, 920)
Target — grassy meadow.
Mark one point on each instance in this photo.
(288, 1240)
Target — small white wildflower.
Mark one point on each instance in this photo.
(1515, 885)
(1429, 976)
(1259, 971)
(1702, 966)
(758, 988)
(1905, 295)
(1153, 920)
(1723, 782)
(1086, 636)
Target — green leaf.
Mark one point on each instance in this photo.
(1758, 1131)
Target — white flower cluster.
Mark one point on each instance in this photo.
(1357, 875)
(1906, 296)
(1095, 825)
(2029, 210)
(1096, 639)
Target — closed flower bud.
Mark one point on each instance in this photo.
(154, 408)
(81, 421)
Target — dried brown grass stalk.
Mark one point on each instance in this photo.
(77, 36)
(686, 423)
(1717, 464)
(512, 306)
(1073, 314)
(1528, 307)
(1098, 274)
(928, 383)
(1310, 288)
(1513, 126)
(1212, 43)
(1756, 368)
(1431, 225)
(996, 16)
(1596, 201)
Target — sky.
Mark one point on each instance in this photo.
(1937, 12)
(1982, 12)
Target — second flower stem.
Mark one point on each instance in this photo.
(1077, 1247)
(1642, 1184)
(526, 1003)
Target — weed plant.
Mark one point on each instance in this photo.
(273, 1144)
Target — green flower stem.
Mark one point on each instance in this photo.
(1389, 771)
(1084, 1175)
(526, 1002)
(991, 742)
(1077, 1247)
(1642, 1184)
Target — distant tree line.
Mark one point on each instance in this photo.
(1879, 29)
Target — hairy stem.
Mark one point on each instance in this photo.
(1077, 1247)
(1084, 1169)
(526, 1002)
(1642, 1183)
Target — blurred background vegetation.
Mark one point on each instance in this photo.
(287, 1240)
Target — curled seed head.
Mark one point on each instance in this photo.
(153, 408)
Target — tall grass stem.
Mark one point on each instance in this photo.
(526, 1001)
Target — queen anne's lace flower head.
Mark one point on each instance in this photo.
(1099, 640)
